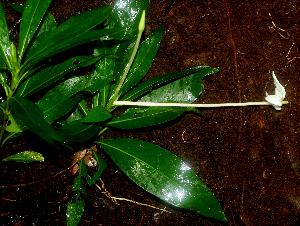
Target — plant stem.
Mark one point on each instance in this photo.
(130, 103)
(102, 131)
(128, 66)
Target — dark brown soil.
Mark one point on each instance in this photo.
(249, 157)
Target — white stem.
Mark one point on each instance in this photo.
(193, 105)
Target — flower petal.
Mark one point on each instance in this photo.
(279, 89)
(276, 100)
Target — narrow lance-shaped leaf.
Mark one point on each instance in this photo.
(28, 115)
(75, 210)
(97, 114)
(139, 118)
(33, 14)
(26, 157)
(73, 32)
(19, 8)
(163, 174)
(4, 38)
(183, 90)
(155, 81)
(57, 102)
(77, 131)
(51, 74)
(124, 15)
(47, 25)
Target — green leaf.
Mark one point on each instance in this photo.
(28, 115)
(4, 39)
(163, 174)
(51, 74)
(101, 166)
(136, 118)
(57, 102)
(3, 82)
(82, 173)
(19, 8)
(73, 32)
(75, 212)
(97, 114)
(26, 157)
(32, 16)
(76, 115)
(47, 26)
(125, 17)
(13, 127)
(105, 67)
(55, 110)
(77, 131)
(159, 80)
(143, 60)
(183, 90)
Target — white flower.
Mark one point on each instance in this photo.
(276, 100)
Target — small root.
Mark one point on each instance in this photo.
(114, 199)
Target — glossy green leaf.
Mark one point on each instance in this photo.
(159, 80)
(47, 25)
(28, 115)
(13, 126)
(82, 173)
(183, 90)
(25, 157)
(75, 212)
(143, 60)
(163, 174)
(97, 114)
(57, 102)
(138, 118)
(32, 16)
(75, 115)
(101, 166)
(77, 131)
(51, 74)
(73, 32)
(2, 64)
(19, 8)
(59, 107)
(125, 14)
(4, 38)
(105, 67)
(3, 82)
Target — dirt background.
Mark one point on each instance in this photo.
(249, 157)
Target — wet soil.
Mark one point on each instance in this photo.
(249, 157)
